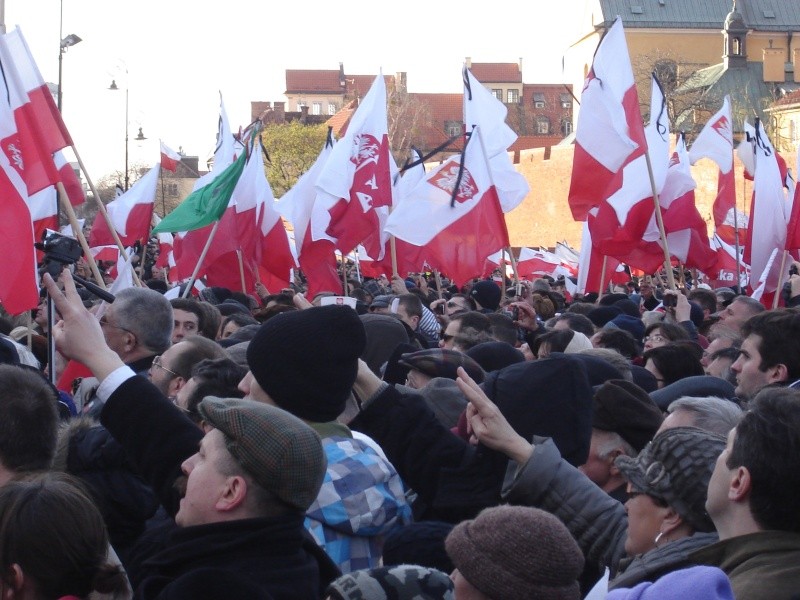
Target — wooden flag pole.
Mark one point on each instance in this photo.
(199, 264)
(660, 221)
(102, 209)
(76, 229)
(241, 271)
(516, 271)
(344, 276)
(503, 272)
(438, 277)
(780, 280)
(601, 287)
(393, 250)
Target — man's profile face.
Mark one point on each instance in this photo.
(205, 482)
(734, 315)
(717, 497)
(448, 335)
(162, 373)
(186, 324)
(749, 376)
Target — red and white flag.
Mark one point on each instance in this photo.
(317, 259)
(70, 179)
(43, 207)
(609, 131)
(724, 273)
(355, 184)
(18, 285)
(130, 213)
(716, 142)
(169, 158)
(105, 253)
(793, 226)
(769, 210)
(591, 277)
(458, 232)
(482, 109)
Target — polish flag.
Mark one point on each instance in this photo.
(316, 257)
(459, 230)
(18, 285)
(716, 142)
(609, 131)
(590, 264)
(620, 223)
(70, 179)
(725, 270)
(169, 158)
(769, 212)
(105, 253)
(355, 184)
(482, 109)
(43, 110)
(129, 213)
(43, 207)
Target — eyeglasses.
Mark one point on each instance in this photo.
(444, 337)
(157, 363)
(654, 338)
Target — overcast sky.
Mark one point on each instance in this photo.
(179, 54)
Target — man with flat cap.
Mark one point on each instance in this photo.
(625, 419)
(246, 483)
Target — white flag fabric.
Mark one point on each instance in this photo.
(715, 141)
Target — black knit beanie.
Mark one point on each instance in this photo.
(307, 360)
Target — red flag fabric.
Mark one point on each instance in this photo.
(316, 257)
(459, 235)
(354, 185)
(793, 226)
(130, 213)
(169, 158)
(609, 131)
(18, 284)
(590, 264)
(70, 179)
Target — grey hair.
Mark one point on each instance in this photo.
(148, 315)
(609, 441)
(713, 414)
(754, 306)
(614, 358)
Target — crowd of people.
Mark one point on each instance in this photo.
(501, 440)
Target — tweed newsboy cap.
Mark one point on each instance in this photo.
(626, 409)
(517, 553)
(402, 582)
(283, 454)
(442, 362)
(675, 468)
(307, 360)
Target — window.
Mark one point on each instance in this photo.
(300, 105)
(538, 100)
(172, 189)
(512, 97)
(316, 108)
(566, 101)
(542, 125)
(566, 127)
(453, 128)
(498, 94)
(331, 108)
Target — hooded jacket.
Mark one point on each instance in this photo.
(362, 499)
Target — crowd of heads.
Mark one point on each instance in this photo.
(679, 400)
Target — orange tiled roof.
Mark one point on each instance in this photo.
(312, 81)
(341, 119)
(496, 72)
(790, 98)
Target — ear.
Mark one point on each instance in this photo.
(778, 373)
(671, 522)
(15, 579)
(175, 385)
(740, 485)
(612, 468)
(233, 495)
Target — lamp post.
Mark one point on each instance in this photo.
(139, 137)
(66, 42)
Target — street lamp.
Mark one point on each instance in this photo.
(139, 137)
(66, 42)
